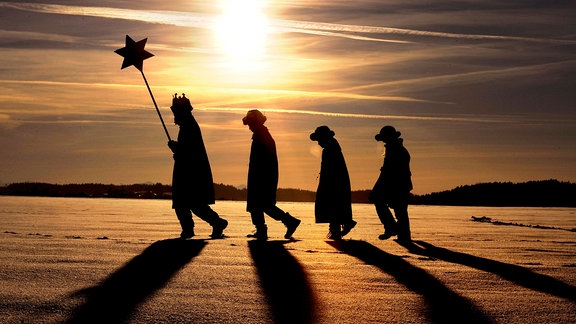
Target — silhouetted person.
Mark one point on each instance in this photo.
(392, 189)
(263, 179)
(334, 196)
(192, 184)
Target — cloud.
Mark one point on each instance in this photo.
(200, 20)
(355, 115)
(266, 92)
(472, 77)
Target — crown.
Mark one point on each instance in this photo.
(181, 104)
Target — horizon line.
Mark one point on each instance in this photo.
(243, 186)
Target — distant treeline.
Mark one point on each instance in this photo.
(545, 193)
(140, 191)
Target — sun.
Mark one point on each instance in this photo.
(241, 31)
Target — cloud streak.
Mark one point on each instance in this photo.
(355, 115)
(274, 92)
(470, 77)
(199, 20)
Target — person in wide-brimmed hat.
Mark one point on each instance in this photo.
(334, 196)
(392, 189)
(263, 179)
(192, 185)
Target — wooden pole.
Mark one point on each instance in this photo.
(156, 106)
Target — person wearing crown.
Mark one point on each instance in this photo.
(192, 184)
(334, 194)
(392, 189)
(263, 179)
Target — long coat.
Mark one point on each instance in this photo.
(262, 171)
(333, 197)
(192, 183)
(394, 183)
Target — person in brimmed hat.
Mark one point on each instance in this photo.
(263, 179)
(334, 196)
(192, 185)
(392, 189)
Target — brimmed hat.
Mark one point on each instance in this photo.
(321, 132)
(254, 116)
(387, 132)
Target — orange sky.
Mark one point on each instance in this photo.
(481, 92)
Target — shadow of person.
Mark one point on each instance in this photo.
(514, 273)
(114, 299)
(443, 304)
(284, 282)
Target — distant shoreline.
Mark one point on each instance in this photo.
(543, 193)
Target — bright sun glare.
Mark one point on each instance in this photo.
(241, 31)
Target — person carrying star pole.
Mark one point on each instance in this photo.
(192, 184)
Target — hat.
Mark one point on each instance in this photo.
(387, 132)
(181, 105)
(321, 132)
(254, 116)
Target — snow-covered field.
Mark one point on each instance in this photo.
(111, 260)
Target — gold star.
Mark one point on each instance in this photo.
(134, 53)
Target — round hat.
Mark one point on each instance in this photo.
(387, 132)
(321, 132)
(254, 116)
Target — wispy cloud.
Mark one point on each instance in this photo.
(468, 77)
(200, 20)
(217, 107)
(266, 92)
(305, 27)
(482, 119)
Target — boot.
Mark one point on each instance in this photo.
(218, 228)
(187, 225)
(403, 230)
(261, 233)
(291, 224)
(346, 228)
(334, 232)
(185, 218)
(388, 233)
(187, 233)
(404, 235)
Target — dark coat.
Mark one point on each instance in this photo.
(333, 197)
(192, 183)
(394, 183)
(262, 171)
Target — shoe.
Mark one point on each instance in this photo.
(260, 234)
(291, 227)
(346, 228)
(218, 228)
(404, 240)
(334, 236)
(334, 233)
(186, 234)
(387, 235)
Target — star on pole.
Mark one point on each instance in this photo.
(134, 53)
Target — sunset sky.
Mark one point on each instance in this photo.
(482, 91)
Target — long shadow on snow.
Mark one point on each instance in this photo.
(284, 282)
(114, 299)
(514, 273)
(444, 305)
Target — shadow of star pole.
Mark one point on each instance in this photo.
(135, 54)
